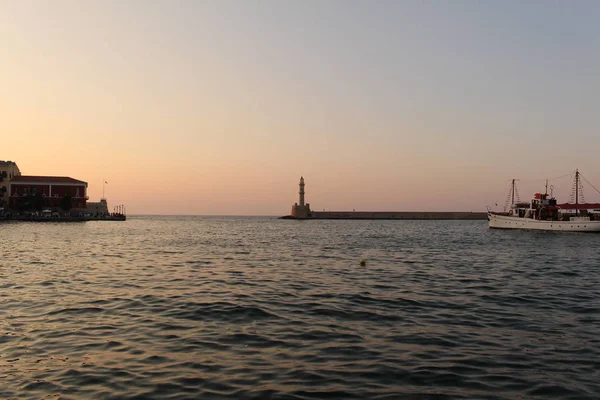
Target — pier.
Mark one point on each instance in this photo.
(301, 210)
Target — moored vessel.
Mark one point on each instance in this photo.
(543, 212)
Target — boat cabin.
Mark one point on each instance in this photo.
(544, 207)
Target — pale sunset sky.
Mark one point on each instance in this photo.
(218, 107)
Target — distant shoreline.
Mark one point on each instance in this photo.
(394, 215)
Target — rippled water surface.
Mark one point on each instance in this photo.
(209, 307)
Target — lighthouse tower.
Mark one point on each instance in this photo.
(301, 210)
(301, 192)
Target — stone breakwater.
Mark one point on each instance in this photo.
(404, 215)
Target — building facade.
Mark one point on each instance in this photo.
(97, 208)
(8, 170)
(55, 192)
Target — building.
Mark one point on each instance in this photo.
(301, 210)
(56, 192)
(97, 208)
(8, 170)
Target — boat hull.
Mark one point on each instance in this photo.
(509, 222)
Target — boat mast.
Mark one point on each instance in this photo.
(513, 191)
(576, 191)
(546, 186)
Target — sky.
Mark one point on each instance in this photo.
(218, 107)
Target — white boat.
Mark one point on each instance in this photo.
(544, 213)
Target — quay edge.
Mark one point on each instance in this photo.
(392, 215)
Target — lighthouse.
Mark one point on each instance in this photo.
(301, 209)
(301, 192)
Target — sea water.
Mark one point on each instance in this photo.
(261, 308)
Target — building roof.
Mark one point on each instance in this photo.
(2, 162)
(45, 179)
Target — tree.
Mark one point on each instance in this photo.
(38, 202)
(23, 204)
(66, 203)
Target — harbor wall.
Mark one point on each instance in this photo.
(301, 210)
(403, 215)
